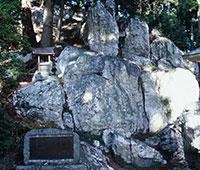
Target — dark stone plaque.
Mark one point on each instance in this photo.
(51, 148)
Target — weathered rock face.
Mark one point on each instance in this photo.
(179, 138)
(166, 55)
(42, 100)
(177, 89)
(94, 157)
(171, 140)
(141, 61)
(152, 104)
(112, 97)
(98, 95)
(136, 41)
(110, 6)
(101, 31)
(64, 61)
(136, 152)
(108, 93)
(68, 120)
(192, 126)
(163, 48)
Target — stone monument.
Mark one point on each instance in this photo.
(51, 149)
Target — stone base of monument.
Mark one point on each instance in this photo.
(52, 167)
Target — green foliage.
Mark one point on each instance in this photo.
(177, 20)
(6, 128)
(14, 66)
(11, 68)
(174, 20)
(187, 16)
(128, 7)
(10, 37)
(186, 11)
(9, 19)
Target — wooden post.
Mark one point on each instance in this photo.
(38, 63)
(49, 58)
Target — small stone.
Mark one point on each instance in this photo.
(68, 120)
(96, 143)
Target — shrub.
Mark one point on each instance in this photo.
(14, 66)
(11, 36)
(6, 128)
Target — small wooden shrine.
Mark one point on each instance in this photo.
(44, 59)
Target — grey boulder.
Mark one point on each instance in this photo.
(136, 41)
(105, 92)
(42, 100)
(94, 157)
(101, 31)
(136, 152)
(166, 55)
(171, 141)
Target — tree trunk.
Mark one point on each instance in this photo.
(48, 24)
(198, 14)
(192, 32)
(199, 20)
(59, 25)
(28, 27)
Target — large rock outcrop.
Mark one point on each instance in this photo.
(172, 142)
(142, 107)
(101, 32)
(166, 55)
(98, 97)
(152, 104)
(42, 100)
(112, 97)
(108, 93)
(136, 41)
